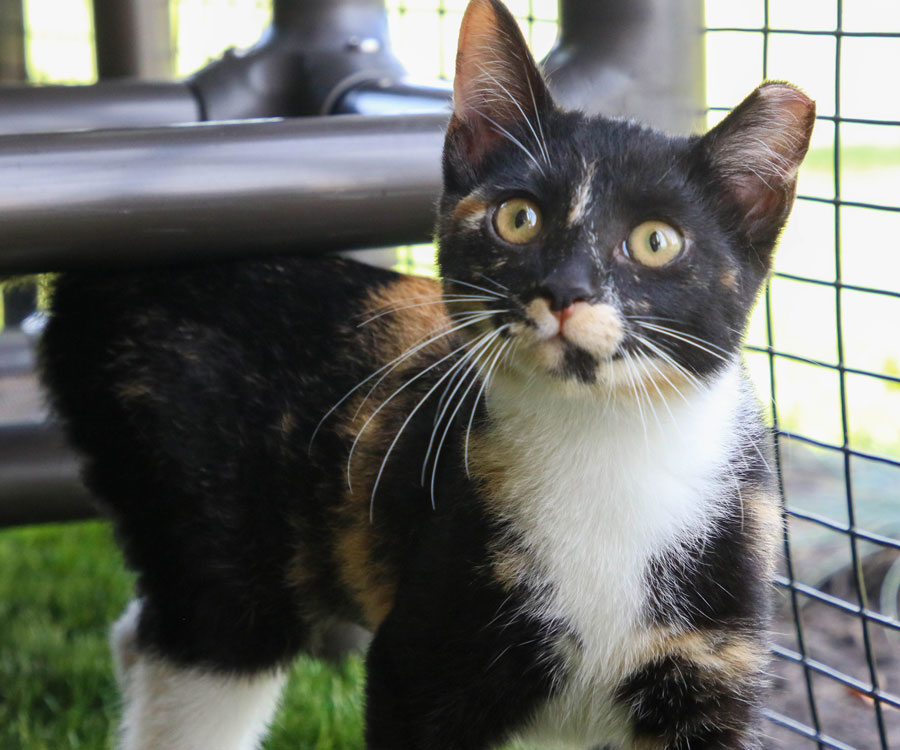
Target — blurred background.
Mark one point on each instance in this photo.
(823, 349)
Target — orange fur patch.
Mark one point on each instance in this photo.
(470, 210)
(723, 655)
(372, 586)
(410, 312)
(728, 279)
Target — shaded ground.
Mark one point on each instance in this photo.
(814, 481)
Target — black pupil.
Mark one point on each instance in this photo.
(655, 241)
(521, 218)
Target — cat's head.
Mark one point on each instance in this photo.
(607, 250)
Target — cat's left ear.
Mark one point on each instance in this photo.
(756, 152)
(497, 87)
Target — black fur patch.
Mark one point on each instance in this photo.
(580, 364)
(674, 701)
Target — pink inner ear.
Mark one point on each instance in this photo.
(477, 136)
(758, 199)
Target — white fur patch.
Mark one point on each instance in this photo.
(123, 642)
(596, 490)
(581, 198)
(178, 708)
(596, 328)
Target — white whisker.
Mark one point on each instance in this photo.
(689, 339)
(649, 344)
(467, 319)
(406, 421)
(390, 398)
(444, 404)
(492, 281)
(423, 304)
(412, 350)
(497, 295)
(537, 117)
(639, 368)
(518, 106)
(514, 140)
(629, 368)
(484, 383)
(437, 453)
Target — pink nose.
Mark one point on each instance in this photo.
(564, 314)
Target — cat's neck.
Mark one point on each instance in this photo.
(640, 419)
(669, 460)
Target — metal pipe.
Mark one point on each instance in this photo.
(204, 191)
(634, 58)
(16, 355)
(387, 97)
(110, 104)
(39, 477)
(38, 471)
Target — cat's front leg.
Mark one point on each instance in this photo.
(445, 674)
(702, 695)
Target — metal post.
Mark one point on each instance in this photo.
(132, 39)
(38, 472)
(634, 58)
(12, 42)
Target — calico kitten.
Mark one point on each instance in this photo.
(543, 483)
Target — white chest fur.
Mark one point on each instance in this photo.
(596, 490)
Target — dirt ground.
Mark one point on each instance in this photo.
(822, 558)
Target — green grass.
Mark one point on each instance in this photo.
(60, 588)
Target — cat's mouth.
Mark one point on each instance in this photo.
(570, 343)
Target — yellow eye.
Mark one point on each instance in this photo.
(654, 243)
(518, 220)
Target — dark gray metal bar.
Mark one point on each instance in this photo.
(634, 58)
(203, 191)
(387, 97)
(16, 355)
(314, 52)
(39, 477)
(38, 472)
(113, 104)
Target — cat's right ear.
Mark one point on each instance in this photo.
(498, 92)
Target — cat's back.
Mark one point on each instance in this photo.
(203, 374)
(192, 394)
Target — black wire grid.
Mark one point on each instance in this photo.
(867, 690)
(870, 689)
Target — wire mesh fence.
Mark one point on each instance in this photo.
(823, 352)
(822, 347)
